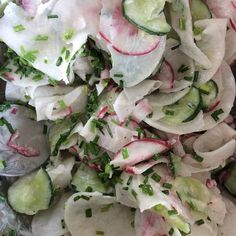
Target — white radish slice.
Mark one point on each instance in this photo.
(107, 216)
(164, 99)
(30, 6)
(207, 229)
(50, 222)
(170, 76)
(188, 45)
(230, 50)
(61, 174)
(228, 229)
(149, 223)
(27, 148)
(68, 31)
(139, 150)
(212, 44)
(195, 125)
(124, 37)
(49, 107)
(113, 141)
(216, 145)
(14, 93)
(226, 99)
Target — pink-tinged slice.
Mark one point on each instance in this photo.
(139, 150)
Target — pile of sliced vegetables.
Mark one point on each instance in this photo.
(117, 118)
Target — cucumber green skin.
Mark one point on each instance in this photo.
(51, 190)
(205, 105)
(140, 26)
(199, 10)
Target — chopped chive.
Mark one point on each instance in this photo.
(148, 172)
(134, 193)
(172, 212)
(86, 198)
(95, 140)
(67, 56)
(183, 68)
(18, 28)
(145, 179)
(188, 78)
(204, 91)
(45, 129)
(118, 75)
(125, 188)
(125, 153)
(167, 185)
(68, 34)
(192, 206)
(166, 192)
(169, 113)
(62, 104)
(53, 82)
(215, 114)
(89, 189)
(140, 132)
(52, 16)
(37, 78)
(3, 164)
(156, 157)
(45, 61)
(182, 23)
(63, 50)
(129, 180)
(30, 55)
(76, 198)
(98, 232)
(147, 189)
(59, 61)
(197, 30)
(88, 213)
(3, 121)
(171, 232)
(156, 177)
(41, 38)
(106, 208)
(128, 121)
(63, 225)
(121, 85)
(199, 222)
(197, 158)
(196, 76)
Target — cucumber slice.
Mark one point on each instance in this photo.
(209, 92)
(230, 182)
(85, 178)
(199, 10)
(185, 110)
(31, 193)
(146, 15)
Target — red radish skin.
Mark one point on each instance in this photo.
(14, 111)
(233, 4)
(211, 108)
(103, 112)
(9, 77)
(25, 151)
(119, 50)
(232, 24)
(167, 75)
(148, 148)
(210, 183)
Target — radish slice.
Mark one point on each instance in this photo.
(216, 145)
(124, 37)
(207, 229)
(68, 31)
(61, 174)
(14, 93)
(111, 141)
(31, 138)
(188, 45)
(149, 223)
(230, 53)
(212, 44)
(49, 222)
(139, 150)
(30, 6)
(104, 215)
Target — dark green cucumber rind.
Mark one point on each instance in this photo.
(230, 183)
(140, 26)
(184, 112)
(199, 10)
(205, 104)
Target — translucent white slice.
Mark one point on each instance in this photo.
(230, 51)
(50, 222)
(31, 138)
(69, 30)
(216, 145)
(104, 215)
(212, 44)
